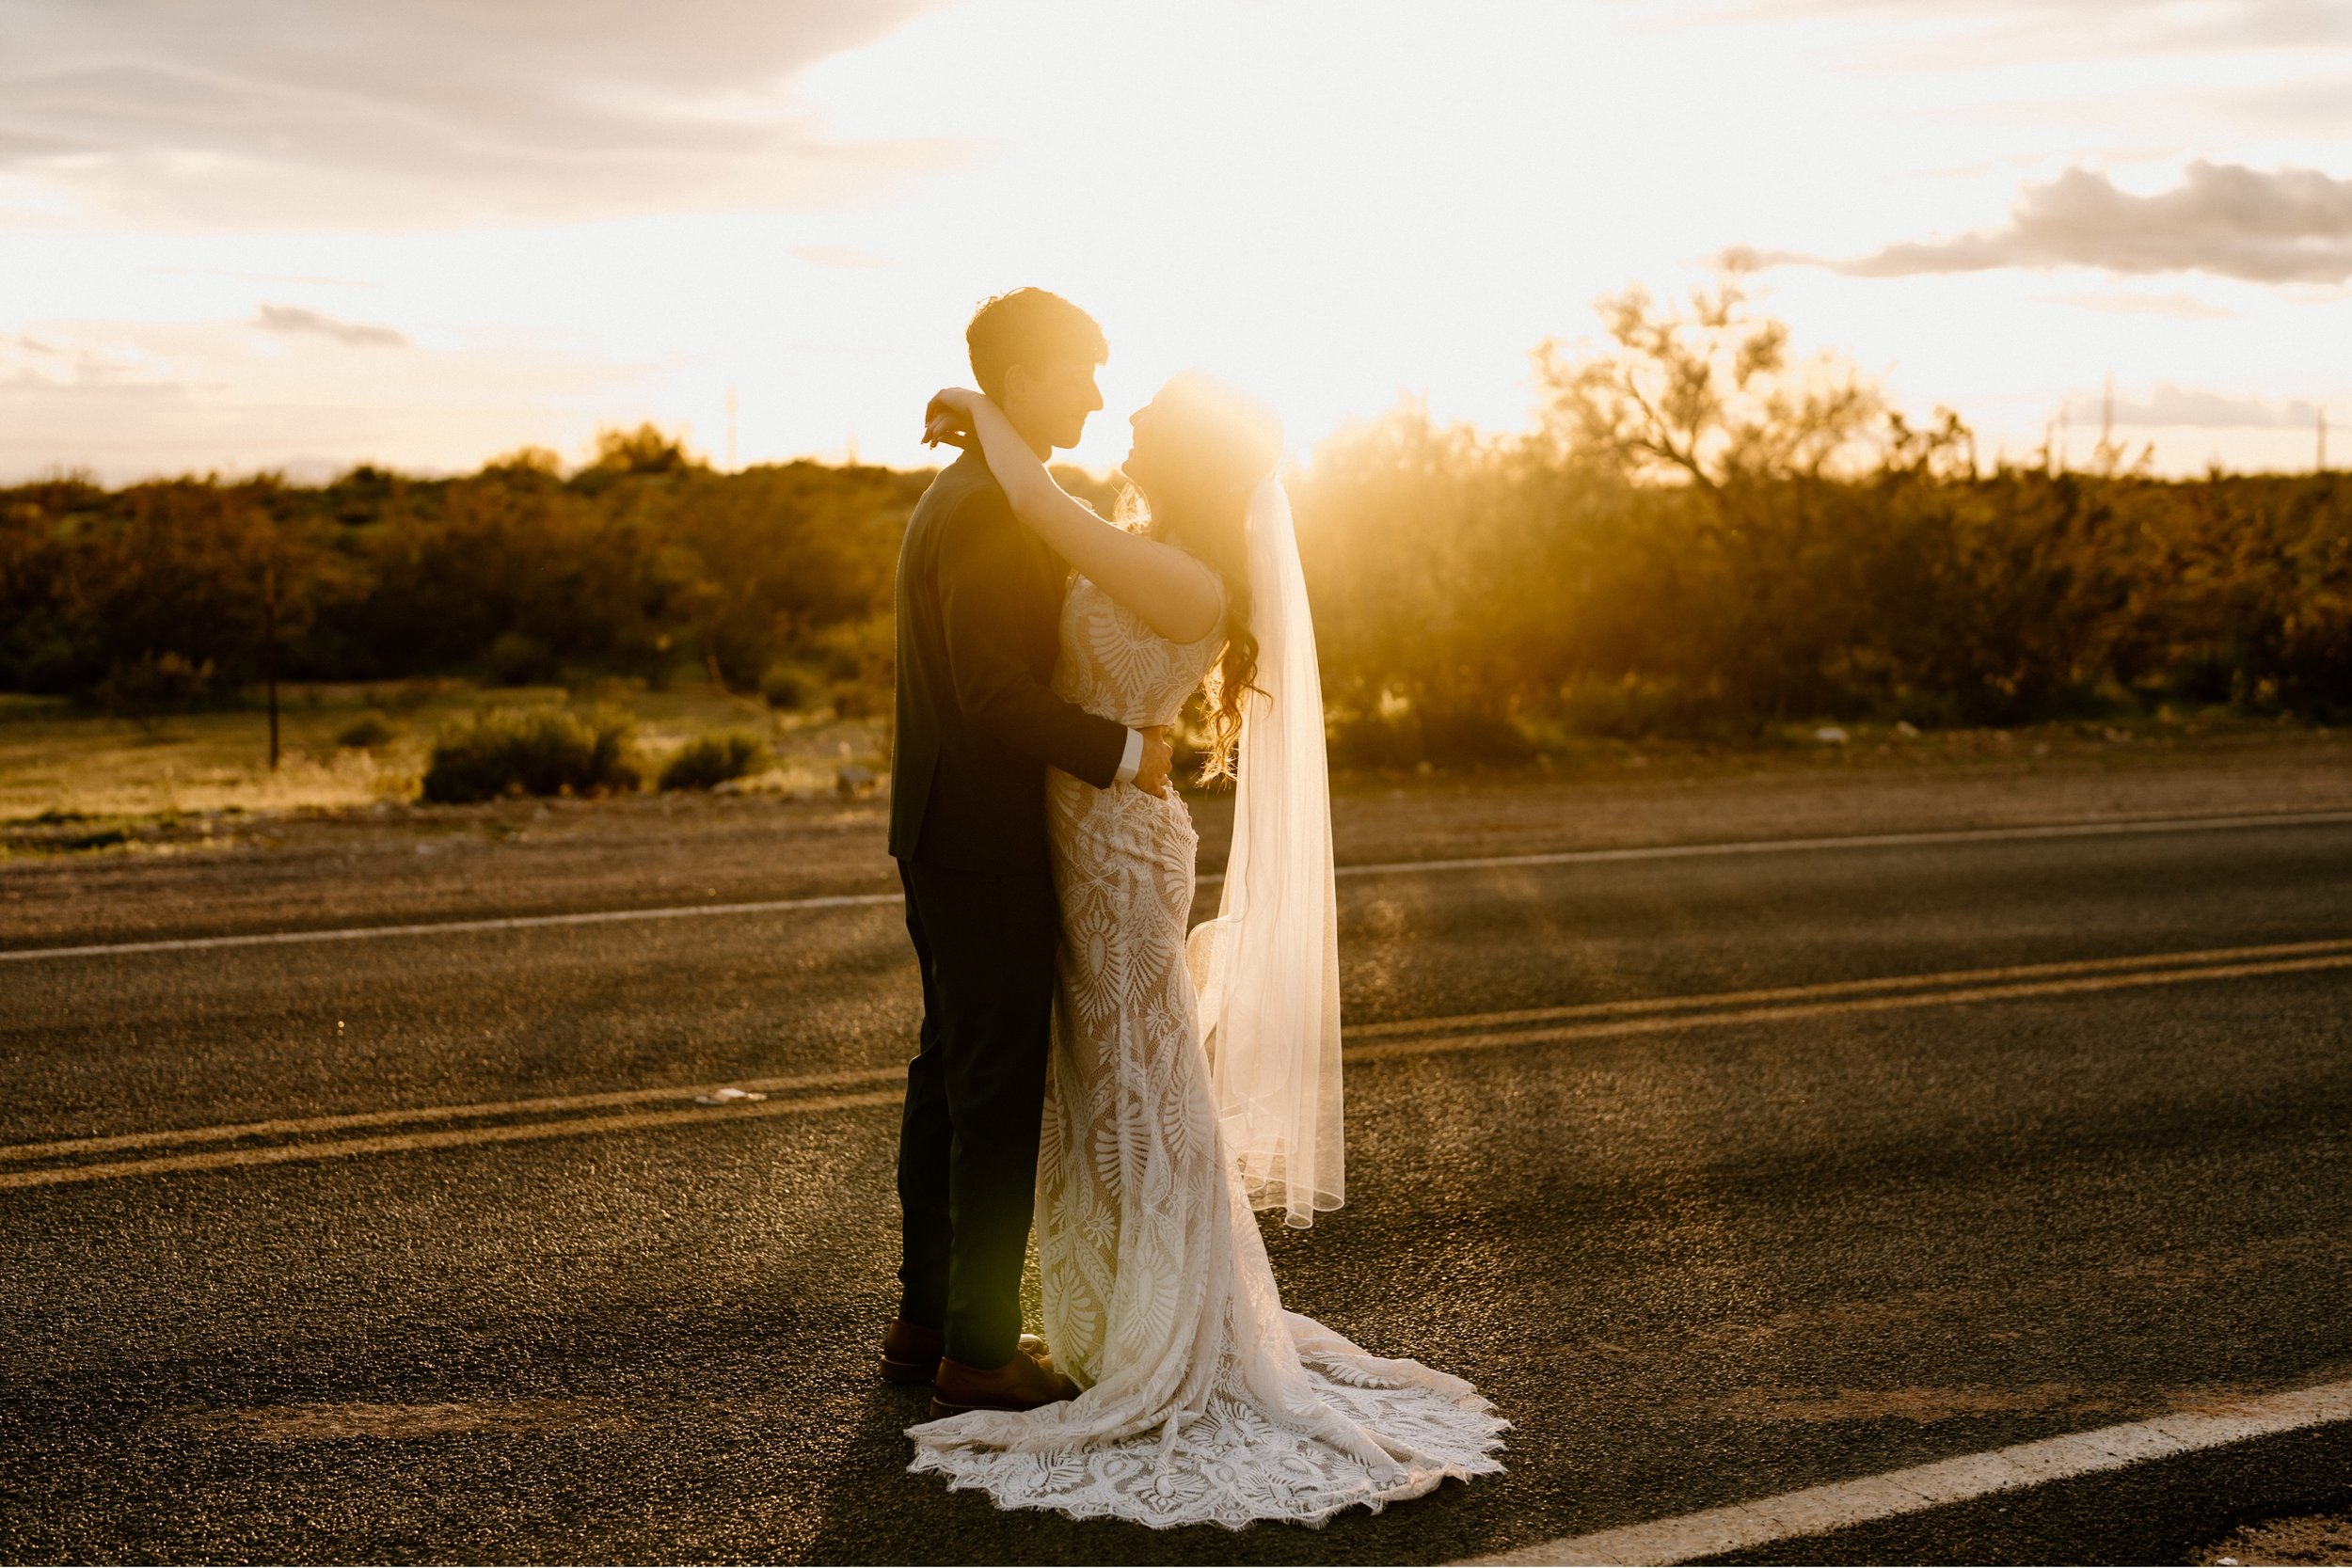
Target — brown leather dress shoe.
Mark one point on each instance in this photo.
(1020, 1383)
(910, 1352)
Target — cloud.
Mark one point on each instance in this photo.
(2178, 307)
(2287, 226)
(110, 361)
(2182, 406)
(128, 399)
(291, 320)
(2318, 106)
(2273, 65)
(402, 112)
(1982, 31)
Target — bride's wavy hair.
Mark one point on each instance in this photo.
(1209, 444)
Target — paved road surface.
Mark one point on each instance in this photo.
(1723, 1176)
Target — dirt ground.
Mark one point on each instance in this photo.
(194, 873)
(58, 760)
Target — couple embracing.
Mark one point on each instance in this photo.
(1084, 1062)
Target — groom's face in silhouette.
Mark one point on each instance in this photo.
(1049, 403)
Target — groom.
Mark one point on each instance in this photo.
(979, 611)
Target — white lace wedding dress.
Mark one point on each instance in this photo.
(1204, 1400)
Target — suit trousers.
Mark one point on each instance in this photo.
(985, 943)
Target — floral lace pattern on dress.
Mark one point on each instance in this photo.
(1206, 1401)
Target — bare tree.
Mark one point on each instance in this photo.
(1707, 396)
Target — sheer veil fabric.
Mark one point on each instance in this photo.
(1204, 1400)
(1266, 970)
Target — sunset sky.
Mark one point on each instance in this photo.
(260, 233)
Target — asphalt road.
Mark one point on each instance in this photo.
(1776, 1169)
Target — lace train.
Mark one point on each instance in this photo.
(1232, 1464)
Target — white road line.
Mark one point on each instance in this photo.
(1817, 1509)
(1378, 868)
(445, 927)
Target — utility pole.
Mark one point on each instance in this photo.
(2107, 454)
(269, 653)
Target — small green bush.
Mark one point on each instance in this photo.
(787, 686)
(366, 733)
(410, 695)
(532, 752)
(710, 760)
(857, 700)
(1444, 736)
(154, 684)
(611, 690)
(515, 660)
(1636, 709)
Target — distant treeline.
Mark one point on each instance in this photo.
(1472, 597)
(644, 562)
(1703, 538)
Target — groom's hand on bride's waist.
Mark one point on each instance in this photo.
(1158, 757)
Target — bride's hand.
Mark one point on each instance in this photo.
(947, 418)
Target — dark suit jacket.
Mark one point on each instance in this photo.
(979, 624)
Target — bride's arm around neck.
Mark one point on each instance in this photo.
(1177, 594)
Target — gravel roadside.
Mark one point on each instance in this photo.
(394, 864)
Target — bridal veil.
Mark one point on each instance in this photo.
(1267, 968)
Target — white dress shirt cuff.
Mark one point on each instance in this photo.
(1132, 764)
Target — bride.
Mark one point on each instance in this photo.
(1192, 1081)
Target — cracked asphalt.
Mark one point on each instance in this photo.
(1693, 1265)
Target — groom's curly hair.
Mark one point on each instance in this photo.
(1029, 326)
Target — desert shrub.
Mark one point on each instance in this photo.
(787, 686)
(513, 658)
(1372, 740)
(857, 660)
(532, 751)
(611, 690)
(1473, 735)
(366, 733)
(1406, 736)
(710, 760)
(856, 700)
(1636, 709)
(410, 695)
(154, 684)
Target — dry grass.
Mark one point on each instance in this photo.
(57, 759)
